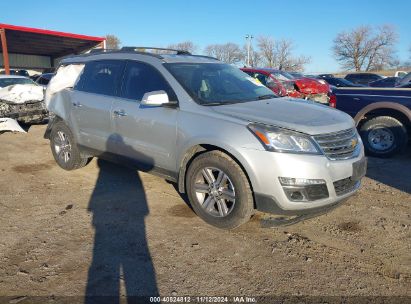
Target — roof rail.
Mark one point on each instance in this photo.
(101, 50)
(143, 48)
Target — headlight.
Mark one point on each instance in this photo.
(282, 140)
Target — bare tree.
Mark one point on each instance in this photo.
(228, 52)
(278, 54)
(365, 48)
(112, 42)
(188, 46)
(267, 50)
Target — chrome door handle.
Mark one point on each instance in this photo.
(77, 104)
(120, 113)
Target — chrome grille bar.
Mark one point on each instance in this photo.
(338, 145)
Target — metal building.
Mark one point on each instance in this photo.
(31, 48)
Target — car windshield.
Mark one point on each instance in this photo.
(5, 82)
(218, 83)
(296, 75)
(282, 76)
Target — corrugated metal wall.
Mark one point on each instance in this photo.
(27, 61)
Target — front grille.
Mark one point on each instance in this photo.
(346, 185)
(338, 145)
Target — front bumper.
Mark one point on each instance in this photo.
(264, 169)
(28, 112)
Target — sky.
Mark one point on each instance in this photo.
(312, 25)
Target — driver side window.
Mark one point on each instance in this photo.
(140, 78)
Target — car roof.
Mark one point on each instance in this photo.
(12, 76)
(362, 73)
(144, 56)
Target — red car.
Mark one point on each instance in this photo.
(285, 84)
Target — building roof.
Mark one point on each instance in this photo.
(32, 41)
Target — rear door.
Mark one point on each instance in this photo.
(146, 134)
(92, 102)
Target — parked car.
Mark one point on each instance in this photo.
(284, 84)
(34, 77)
(8, 80)
(326, 76)
(340, 82)
(388, 82)
(404, 80)
(44, 79)
(296, 75)
(383, 117)
(404, 86)
(17, 72)
(21, 99)
(227, 141)
(400, 74)
(280, 88)
(363, 78)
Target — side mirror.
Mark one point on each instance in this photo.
(156, 98)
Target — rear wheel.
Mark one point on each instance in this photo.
(64, 148)
(383, 136)
(219, 191)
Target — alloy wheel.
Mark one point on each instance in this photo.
(62, 146)
(214, 191)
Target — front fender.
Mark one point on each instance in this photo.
(199, 145)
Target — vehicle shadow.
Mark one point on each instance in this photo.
(394, 172)
(120, 256)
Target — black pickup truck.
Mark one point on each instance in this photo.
(382, 115)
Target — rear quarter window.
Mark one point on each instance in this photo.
(101, 77)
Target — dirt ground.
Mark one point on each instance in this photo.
(107, 230)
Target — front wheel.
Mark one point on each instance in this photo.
(64, 148)
(383, 136)
(219, 191)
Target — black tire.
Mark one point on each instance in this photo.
(393, 131)
(242, 207)
(74, 160)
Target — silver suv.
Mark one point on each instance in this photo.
(228, 142)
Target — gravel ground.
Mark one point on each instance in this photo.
(108, 230)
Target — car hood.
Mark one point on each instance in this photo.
(290, 113)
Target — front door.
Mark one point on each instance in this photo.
(146, 134)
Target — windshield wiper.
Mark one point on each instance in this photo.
(267, 96)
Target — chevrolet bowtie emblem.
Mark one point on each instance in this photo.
(354, 142)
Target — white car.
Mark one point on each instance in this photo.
(21, 99)
(8, 80)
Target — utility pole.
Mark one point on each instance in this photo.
(248, 38)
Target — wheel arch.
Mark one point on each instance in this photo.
(395, 110)
(53, 120)
(197, 149)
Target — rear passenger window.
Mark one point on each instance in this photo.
(101, 77)
(140, 78)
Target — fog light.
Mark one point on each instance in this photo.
(291, 181)
(296, 196)
(304, 190)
